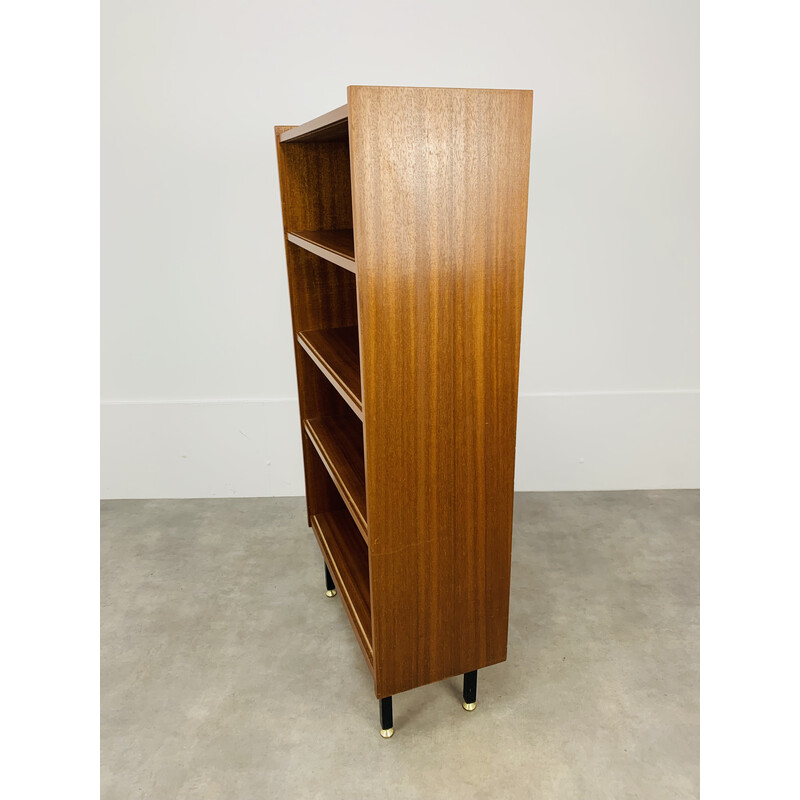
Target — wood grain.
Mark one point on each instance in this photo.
(315, 185)
(440, 187)
(335, 351)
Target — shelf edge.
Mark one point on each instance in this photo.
(316, 125)
(355, 622)
(349, 397)
(355, 511)
(322, 252)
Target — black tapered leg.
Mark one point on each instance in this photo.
(330, 586)
(470, 690)
(387, 723)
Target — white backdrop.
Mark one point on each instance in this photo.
(198, 387)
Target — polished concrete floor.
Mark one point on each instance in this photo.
(227, 673)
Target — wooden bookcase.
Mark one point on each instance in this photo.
(404, 214)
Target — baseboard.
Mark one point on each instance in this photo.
(251, 448)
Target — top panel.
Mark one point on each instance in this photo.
(330, 127)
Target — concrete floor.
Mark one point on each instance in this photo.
(227, 673)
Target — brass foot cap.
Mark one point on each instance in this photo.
(331, 593)
(468, 706)
(387, 733)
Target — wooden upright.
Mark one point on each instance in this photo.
(404, 216)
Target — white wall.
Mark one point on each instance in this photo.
(199, 394)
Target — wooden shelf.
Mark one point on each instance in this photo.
(330, 127)
(335, 352)
(339, 442)
(404, 219)
(334, 246)
(346, 555)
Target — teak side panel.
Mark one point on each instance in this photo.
(440, 188)
(315, 193)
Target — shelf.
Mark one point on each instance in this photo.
(340, 444)
(334, 246)
(335, 352)
(330, 127)
(347, 558)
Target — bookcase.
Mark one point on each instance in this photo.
(404, 215)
